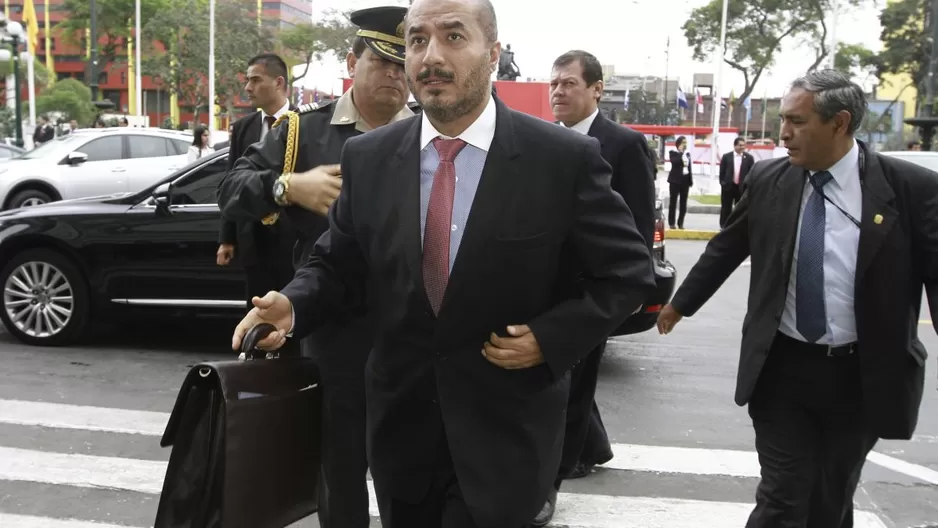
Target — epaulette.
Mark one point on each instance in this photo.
(313, 107)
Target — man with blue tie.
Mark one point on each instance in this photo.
(842, 241)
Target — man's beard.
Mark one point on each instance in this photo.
(476, 91)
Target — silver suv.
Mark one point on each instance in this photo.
(91, 162)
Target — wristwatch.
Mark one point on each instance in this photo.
(281, 189)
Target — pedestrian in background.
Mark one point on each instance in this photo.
(200, 144)
(841, 242)
(680, 180)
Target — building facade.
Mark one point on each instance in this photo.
(70, 60)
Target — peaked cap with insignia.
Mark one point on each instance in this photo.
(382, 29)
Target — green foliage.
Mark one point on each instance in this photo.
(70, 97)
(7, 122)
(855, 60)
(647, 110)
(42, 74)
(307, 43)
(755, 32)
(906, 44)
(177, 48)
(113, 23)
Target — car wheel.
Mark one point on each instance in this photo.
(45, 298)
(29, 198)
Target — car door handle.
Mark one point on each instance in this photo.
(119, 169)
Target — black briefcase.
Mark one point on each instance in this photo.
(245, 439)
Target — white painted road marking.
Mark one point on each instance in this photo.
(63, 416)
(575, 510)
(655, 459)
(28, 521)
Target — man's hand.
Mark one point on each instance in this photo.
(667, 318)
(224, 254)
(518, 351)
(273, 308)
(316, 189)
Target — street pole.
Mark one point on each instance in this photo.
(18, 96)
(138, 82)
(93, 60)
(211, 66)
(716, 91)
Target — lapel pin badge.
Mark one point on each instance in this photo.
(878, 219)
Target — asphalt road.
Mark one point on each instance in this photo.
(684, 450)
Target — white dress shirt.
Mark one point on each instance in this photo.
(841, 242)
(479, 134)
(264, 127)
(737, 165)
(583, 127)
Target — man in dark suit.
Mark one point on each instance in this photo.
(575, 88)
(464, 249)
(841, 242)
(265, 251)
(734, 166)
(257, 188)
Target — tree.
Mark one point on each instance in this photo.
(856, 61)
(42, 74)
(647, 110)
(70, 97)
(906, 44)
(177, 50)
(755, 32)
(113, 23)
(306, 43)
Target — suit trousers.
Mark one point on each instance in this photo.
(585, 439)
(341, 357)
(810, 436)
(442, 507)
(677, 191)
(729, 196)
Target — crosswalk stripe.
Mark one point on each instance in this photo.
(575, 510)
(64, 416)
(630, 457)
(28, 521)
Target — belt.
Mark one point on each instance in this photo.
(838, 351)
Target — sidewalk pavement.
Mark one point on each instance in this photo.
(702, 221)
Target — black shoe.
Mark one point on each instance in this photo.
(547, 512)
(580, 470)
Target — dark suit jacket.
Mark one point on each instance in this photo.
(677, 175)
(728, 168)
(633, 171)
(544, 203)
(895, 258)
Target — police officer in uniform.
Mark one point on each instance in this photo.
(258, 189)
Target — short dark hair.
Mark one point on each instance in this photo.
(834, 92)
(272, 63)
(739, 140)
(592, 69)
(358, 47)
(679, 141)
(488, 21)
(912, 144)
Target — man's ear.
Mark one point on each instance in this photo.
(350, 62)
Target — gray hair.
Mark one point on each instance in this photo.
(834, 92)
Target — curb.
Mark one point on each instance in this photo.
(699, 208)
(689, 234)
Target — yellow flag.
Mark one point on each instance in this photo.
(32, 26)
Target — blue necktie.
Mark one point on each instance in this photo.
(810, 315)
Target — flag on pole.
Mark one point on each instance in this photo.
(747, 104)
(32, 26)
(699, 99)
(50, 61)
(681, 99)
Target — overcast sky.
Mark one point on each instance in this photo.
(629, 34)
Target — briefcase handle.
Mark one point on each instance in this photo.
(249, 348)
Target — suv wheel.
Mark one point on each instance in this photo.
(29, 198)
(45, 298)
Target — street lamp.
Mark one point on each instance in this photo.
(12, 31)
(926, 121)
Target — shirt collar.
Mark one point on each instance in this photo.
(346, 113)
(847, 167)
(479, 134)
(584, 126)
(283, 110)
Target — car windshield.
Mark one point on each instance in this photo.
(56, 148)
(927, 161)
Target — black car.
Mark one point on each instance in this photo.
(65, 264)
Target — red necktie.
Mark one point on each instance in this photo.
(439, 221)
